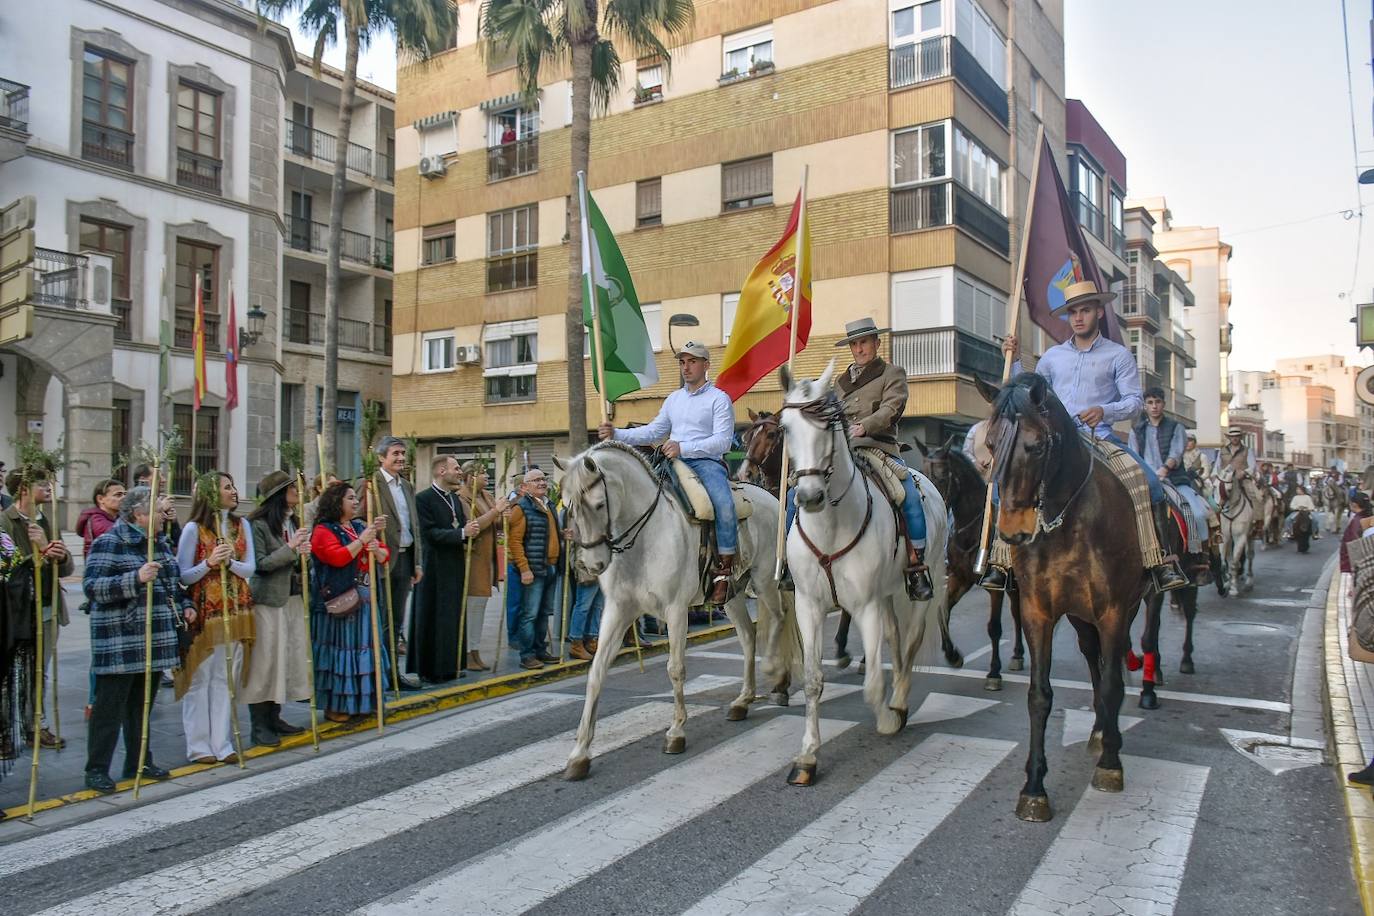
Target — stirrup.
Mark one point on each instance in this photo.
(918, 584)
(785, 584)
(1160, 575)
(994, 580)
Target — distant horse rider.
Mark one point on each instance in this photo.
(698, 420)
(1098, 382)
(1161, 441)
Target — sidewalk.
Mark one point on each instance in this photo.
(1350, 695)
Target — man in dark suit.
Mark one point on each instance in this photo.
(396, 500)
(434, 621)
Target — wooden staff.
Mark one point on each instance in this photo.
(505, 580)
(376, 623)
(56, 624)
(228, 643)
(467, 578)
(38, 671)
(305, 598)
(563, 642)
(148, 632)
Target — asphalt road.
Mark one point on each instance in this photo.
(465, 812)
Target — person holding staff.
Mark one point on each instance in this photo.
(482, 577)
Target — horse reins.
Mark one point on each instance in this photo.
(627, 538)
(1053, 452)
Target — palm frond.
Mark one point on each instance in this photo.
(605, 75)
(651, 27)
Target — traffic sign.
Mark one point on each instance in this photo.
(18, 216)
(16, 250)
(1364, 385)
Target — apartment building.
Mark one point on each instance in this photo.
(151, 142)
(916, 120)
(309, 143)
(1311, 401)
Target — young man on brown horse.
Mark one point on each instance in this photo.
(1098, 382)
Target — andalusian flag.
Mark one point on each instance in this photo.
(628, 355)
(198, 345)
(760, 338)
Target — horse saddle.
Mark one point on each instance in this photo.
(885, 469)
(698, 502)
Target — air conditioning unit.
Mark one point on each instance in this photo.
(468, 354)
(433, 166)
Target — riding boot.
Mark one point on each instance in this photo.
(280, 725)
(1168, 575)
(262, 731)
(994, 579)
(918, 587)
(721, 579)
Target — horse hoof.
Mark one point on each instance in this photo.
(954, 658)
(735, 714)
(802, 774)
(779, 698)
(577, 770)
(1015, 664)
(674, 745)
(1186, 666)
(843, 661)
(1034, 808)
(1095, 742)
(903, 715)
(892, 721)
(1149, 701)
(1105, 780)
(992, 683)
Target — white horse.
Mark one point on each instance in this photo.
(1237, 522)
(636, 538)
(844, 552)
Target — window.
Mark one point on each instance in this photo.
(207, 446)
(438, 352)
(649, 202)
(917, 302)
(749, 51)
(1037, 93)
(298, 318)
(113, 240)
(648, 79)
(196, 260)
(1118, 210)
(198, 135)
(918, 154)
(121, 438)
(977, 170)
(747, 184)
(728, 304)
(512, 240)
(513, 143)
(915, 22)
(653, 323)
(511, 355)
(1086, 181)
(438, 243)
(978, 308)
(107, 104)
(511, 125)
(975, 31)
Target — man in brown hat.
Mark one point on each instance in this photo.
(1098, 383)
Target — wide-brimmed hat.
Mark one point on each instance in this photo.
(692, 348)
(272, 484)
(1235, 431)
(857, 330)
(1082, 293)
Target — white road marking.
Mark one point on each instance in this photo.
(211, 879)
(1277, 602)
(522, 874)
(120, 828)
(986, 650)
(837, 860)
(1276, 753)
(937, 707)
(702, 683)
(1121, 853)
(1078, 724)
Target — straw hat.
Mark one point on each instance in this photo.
(1083, 292)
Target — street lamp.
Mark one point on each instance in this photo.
(253, 333)
(680, 320)
(1366, 177)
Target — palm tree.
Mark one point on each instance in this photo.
(583, 32)
(422, 28)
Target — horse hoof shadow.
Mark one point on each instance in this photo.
(992, 683)
(1186, 666)
(1016, 664)
(779, 698)
(577, 770)
(802, 774)
(1149, 701)
(674, 745)
(735, 714)
(1105, 780)
(1034, 808)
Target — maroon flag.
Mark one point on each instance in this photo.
(1057, 254)
(231, 359)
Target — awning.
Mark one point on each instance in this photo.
(442, 119)
(509, 100)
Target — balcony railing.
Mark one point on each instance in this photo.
(1119, 243)
(386, 168)
(927, 206)
(1089, 216)
(938, 58)
(382, 254)
(59, 278)
(14, 106)
(307, 235)
(123, 310)
(946, 351)
(101, 143)
(512, 271)
(308, 328)
(197, 171)
(1185, 342)
(184, 331)
(1139, 302)
(309, 143)
(511, 159)
(1224, 342)
(1185, 407)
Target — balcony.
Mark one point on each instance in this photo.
(307, 235)
(511, 159)
(1185, 407)
(1224, 342)
(929, 206)
(382, 254)
(1089, 216)
(1118, 243)
(304, 327)
(1224, 291)
(199, 172)
(308, 143)
(946, 351)
(110, 145)
(512, 271)
(14, 106)
(1140, 303)
(184, 330)
(1184, 341)
(59, 278)
(940, 58)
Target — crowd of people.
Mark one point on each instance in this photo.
(229, 620)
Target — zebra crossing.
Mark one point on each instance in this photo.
(889, 798)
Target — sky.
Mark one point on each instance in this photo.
(1237, 112)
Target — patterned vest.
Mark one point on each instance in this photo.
(536, 535)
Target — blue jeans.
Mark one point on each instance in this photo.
(1151, 478)
(912, 508)
(536, 607)
(717, 483)
(588, 602)
(514, 591)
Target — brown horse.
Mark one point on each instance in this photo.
(762, 456)
(965, 493)
(1149, 658)
(1075, 553)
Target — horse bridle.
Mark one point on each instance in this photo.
(626, 539)
(1053, 452)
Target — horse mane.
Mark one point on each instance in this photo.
(1030, 395)
(957, 457)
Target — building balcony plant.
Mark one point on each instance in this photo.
(647, 96)
(757, 68)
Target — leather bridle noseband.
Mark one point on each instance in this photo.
(1053, 453)
(626, 539)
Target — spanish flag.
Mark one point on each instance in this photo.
(198, 345)
(768, 302)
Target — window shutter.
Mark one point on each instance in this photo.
(649, 201)
(747, 179)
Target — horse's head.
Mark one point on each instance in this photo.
(586, 494)
(1027, 434)
(810, 417)
(761, 440)
(946, 466)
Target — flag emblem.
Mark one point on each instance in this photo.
(1069, 274)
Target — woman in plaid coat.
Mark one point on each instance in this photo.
(115, 583)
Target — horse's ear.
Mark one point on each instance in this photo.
(920, 447)
(989, 392)
(785, 377)
(753, 417)
(823, 383)
(589, 464)
(558, 463)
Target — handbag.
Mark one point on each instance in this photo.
(346, 604)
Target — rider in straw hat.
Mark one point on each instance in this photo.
(1098, 382)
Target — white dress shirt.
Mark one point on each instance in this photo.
(701, 421)
(398, 496)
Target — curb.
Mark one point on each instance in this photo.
(1345, 745)
(410, 707)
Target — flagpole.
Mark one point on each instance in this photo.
(802, 253)
(1013, 312)
(589, 290)
(197, 336)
